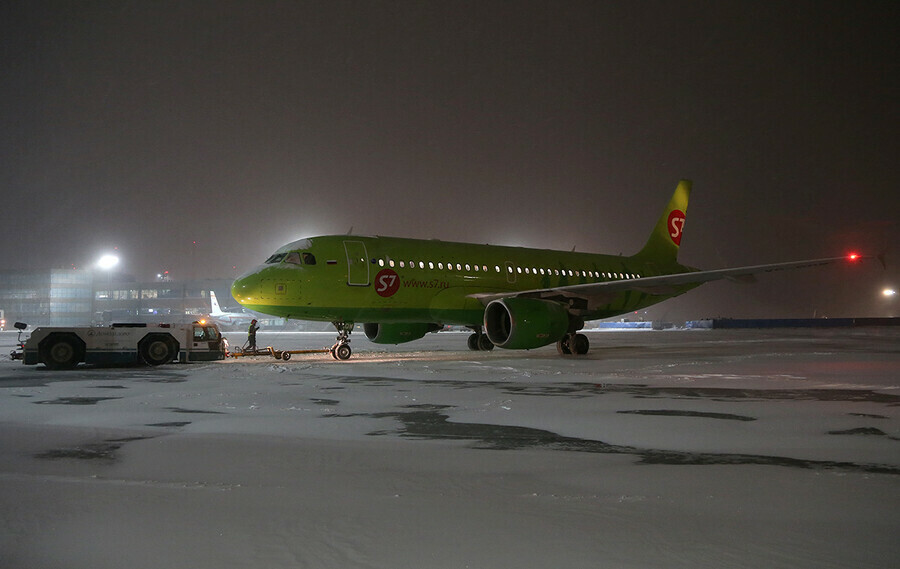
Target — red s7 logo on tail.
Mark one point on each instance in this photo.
(676, 225)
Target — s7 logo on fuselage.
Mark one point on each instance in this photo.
(387, 282)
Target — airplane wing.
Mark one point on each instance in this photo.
(662, 285)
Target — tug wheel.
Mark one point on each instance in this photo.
(60, 353)
(157, 350)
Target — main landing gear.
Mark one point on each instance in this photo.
(573, 344)
(341, 348)
(479, 341)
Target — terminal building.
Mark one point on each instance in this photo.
(79, 297)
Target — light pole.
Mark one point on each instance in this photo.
(107, 263)
(889, 294)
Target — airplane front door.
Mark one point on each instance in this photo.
(357, 263)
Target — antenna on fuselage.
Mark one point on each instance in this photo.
(350, 231)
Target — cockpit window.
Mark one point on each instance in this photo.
(275, 258)
(293, 258)
(309, 259)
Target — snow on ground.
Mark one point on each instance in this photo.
(659, 449)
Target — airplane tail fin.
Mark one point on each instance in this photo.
(662, 246)
(214, 308)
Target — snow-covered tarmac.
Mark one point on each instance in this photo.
(659, 449)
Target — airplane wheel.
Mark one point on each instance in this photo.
(563, 347)
(580, 344)
(342, 352)
(286, 356)
(473, 342)
(484, 344)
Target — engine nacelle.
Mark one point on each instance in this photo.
(525, 323)
(397, 333)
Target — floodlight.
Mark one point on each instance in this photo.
(107, 262)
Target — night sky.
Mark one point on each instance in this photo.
(199, 136)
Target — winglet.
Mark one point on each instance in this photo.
(662, 246)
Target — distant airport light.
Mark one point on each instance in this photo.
(107, 262)
(853, 256)
(889, 292)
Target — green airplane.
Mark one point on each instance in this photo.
(511, 297)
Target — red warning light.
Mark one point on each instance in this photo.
(853, 256)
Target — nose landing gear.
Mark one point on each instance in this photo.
(341, 348)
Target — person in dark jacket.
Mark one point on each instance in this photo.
(251, 335)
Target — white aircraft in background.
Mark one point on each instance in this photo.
(227, 318)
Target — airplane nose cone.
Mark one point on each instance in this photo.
(246, 287)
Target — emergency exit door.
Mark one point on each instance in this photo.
(357, 263)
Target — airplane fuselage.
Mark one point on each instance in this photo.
(388, 279)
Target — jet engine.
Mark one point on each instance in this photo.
(525, 323)
(397, 333)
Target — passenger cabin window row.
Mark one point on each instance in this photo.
(538, 271)
(306, 258)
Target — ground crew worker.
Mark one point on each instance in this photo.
(251, 335)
